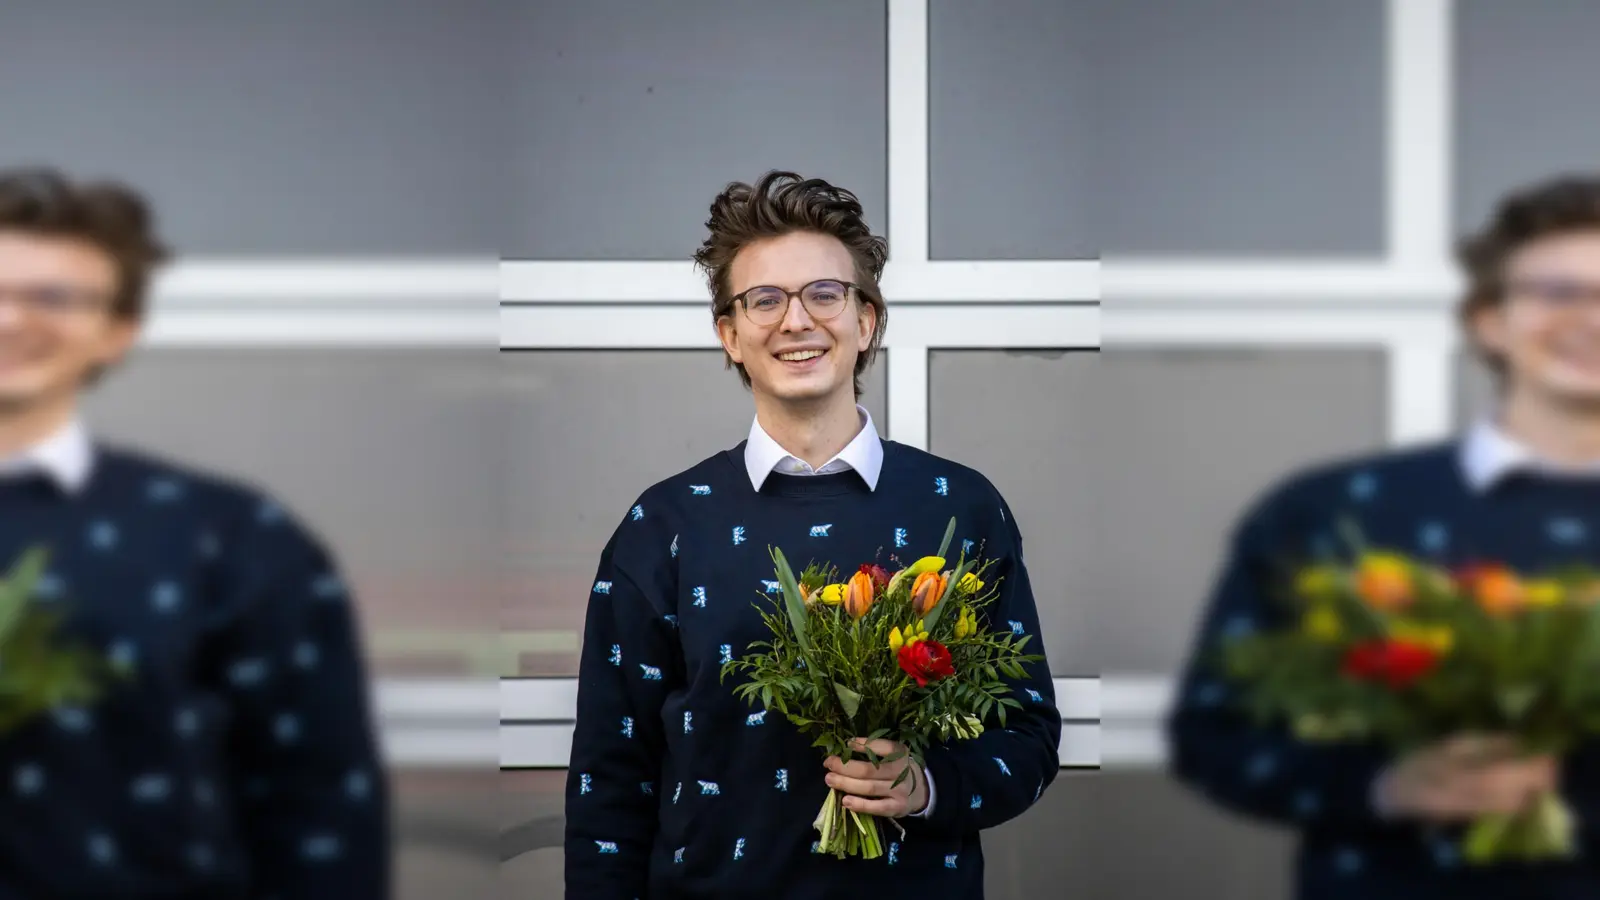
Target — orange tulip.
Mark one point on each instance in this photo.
(1498, 590)
(858, 595)
(1384, 582)
(926, 591)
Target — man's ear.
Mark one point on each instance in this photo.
(728, 334)
(867, 318)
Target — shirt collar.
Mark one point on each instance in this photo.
(67, 457)
(1489, 454)
(864, 454)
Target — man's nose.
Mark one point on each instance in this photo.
(796, 318)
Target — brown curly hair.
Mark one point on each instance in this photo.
(1557, 206)
(781, 203)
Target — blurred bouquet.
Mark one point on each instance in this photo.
(1390, 649)
(897, 655)
(36, 671)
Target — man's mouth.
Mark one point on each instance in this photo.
(800, 355)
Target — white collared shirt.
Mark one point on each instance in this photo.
(67, 457)
(1489, 454)
(864, 454)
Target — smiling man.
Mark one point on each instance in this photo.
(675, 789)
(238, 759)
(1521, 487)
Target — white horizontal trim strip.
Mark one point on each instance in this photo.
(556, 699)
(382, 280)
(167, 327)
(550, 746)
(429, 747)
(1291, 326)
(1285, 281)
(438, 700)
(903, 282)
(652, 326)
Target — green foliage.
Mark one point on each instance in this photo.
(38, 671)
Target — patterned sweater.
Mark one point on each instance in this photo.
(238, 760)
(679, 789)
(1415, 501)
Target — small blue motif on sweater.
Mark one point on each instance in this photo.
(584, 784)
(1002, 764)
(1034, 695)
(894, 852)
(966, 547)
(783, 779)
(674, 547)
(772, 587)
(727, 653)
(627, 726)
(648, 787)
(709, 788)
(651, 673)
(820, 530)
(700, 597)
(1016, 627)
(738, 849)
(616, 654)
(677, 792)
(977, 801)
(606, 846)
(950, 861)
(688, 722)
(677, 855)
(602, 587)
(941, 486)
(700, 490)
(900, 537)
(638, 513)
(738, 535)
(759, 718)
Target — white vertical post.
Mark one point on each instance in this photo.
(908, 395)
(908, 132)
(1421, 388)
(1419, 147)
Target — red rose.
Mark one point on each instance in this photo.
(1396, 663)
(926, 660)
(880, 577)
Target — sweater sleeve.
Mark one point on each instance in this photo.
(1261, 771)
(314, 799)
(630, 662)
(997, 776)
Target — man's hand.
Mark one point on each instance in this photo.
(1466, 777)
(871, 789)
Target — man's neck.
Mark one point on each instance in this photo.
(24, 427)
(814, 433)
(1567, 434)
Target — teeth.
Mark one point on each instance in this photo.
(800, 355)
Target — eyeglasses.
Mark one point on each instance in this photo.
(1555, 294)
(54, 299)
(767, 305)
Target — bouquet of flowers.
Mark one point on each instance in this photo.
(36, 671)
(1390, 649)
(901, 655)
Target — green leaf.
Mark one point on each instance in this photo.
(944, 545)
(16, 590)
(850, 699)
(793, 599)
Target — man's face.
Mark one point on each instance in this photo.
(56, 324)
(799, 358)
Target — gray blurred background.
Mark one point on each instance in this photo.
(1233, 162)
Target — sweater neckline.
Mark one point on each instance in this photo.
(778, 484)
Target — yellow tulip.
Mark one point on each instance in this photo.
(896, 640)
(833, 594)
(964, 624)
(925, 564)
(1384, 581)
(1316, 581)
(915, 632)
(1323, 623)
(970, 583)
(1543, 592)
(1438, 638)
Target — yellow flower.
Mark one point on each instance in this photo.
(896, 641)
(833, 594)
(1316, 581)
(913, 633)
(925, 564)
(1322, 623)
(965, 624)
(1438, 638)
(1384, 581)
(970, 583)
(1543, 592)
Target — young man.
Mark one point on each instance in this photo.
(236, 759)
(674, 790)
(1521, 488)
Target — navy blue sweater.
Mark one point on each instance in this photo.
(1415, 501)
(238, 760)
(679, 789)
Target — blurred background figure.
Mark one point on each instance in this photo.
(332, 178)
(234, 754)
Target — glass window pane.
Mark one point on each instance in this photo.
(590, 431)
(1237, 127)
(1009, 91)
(1524, 71)
(386, 453)
(292, 127)
(629, 117)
